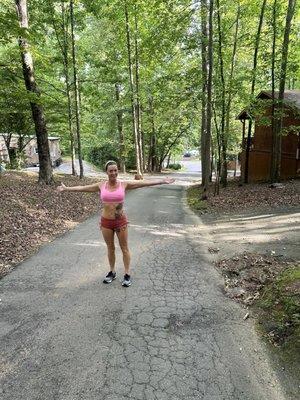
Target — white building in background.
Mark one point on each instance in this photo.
(30, 150)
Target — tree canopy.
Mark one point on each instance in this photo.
(165, 98)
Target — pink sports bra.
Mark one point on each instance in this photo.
(116, 196)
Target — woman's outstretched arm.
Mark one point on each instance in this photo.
(86, 188)
(140, 184)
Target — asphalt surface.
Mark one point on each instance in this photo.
(171, 335)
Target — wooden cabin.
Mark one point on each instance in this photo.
(30, 150)
(260, 144)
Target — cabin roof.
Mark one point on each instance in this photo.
(291, 98)
(14, 135)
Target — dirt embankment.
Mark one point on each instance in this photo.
(255, 242)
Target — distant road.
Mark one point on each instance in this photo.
(66, 168)
(191, 168)
(191, 165)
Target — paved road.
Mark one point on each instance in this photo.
(66, 168)
(191, 169)
(171, 335)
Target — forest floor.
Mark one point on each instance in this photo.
(255, 240)
(32, 214)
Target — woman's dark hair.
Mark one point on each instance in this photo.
(110, 162)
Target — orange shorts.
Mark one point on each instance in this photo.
(114, 224)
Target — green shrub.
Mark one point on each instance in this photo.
(175, 166)
(280, 305)
(99, 155)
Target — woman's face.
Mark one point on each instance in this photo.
(112, 172)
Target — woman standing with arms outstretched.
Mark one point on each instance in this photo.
(113, 219)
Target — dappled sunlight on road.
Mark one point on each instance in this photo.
(259, 232)
(174, 230)
(252, 217)
(84, 244)
(167, 233)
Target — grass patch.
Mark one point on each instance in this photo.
(270, 288)
(194, 199)
(279, 309)
(278, 312)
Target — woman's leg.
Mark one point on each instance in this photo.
(122, 234)
(108, 235)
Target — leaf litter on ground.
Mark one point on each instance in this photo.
(236, 197)
(32, 214)
(269, 284)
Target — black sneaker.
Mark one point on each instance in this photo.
(126, 281)
(109, 277)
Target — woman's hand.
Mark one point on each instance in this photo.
(168, 180)
(61, 188)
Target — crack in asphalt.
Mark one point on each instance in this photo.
(171, 336)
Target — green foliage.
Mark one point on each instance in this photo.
(194, 199)
(101, 154)
(169, 47)
(280, 304)
(175, 166)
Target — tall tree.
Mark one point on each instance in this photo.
(276, 159)
(254, 74)
(135, 122)
(273, 63)
(76, 89)
(62, 34)
(45, 168)
(120, 130)
(204, 63)
(207, 67)
(229, 89)
(223, 161)
(152, 157)
(137, 90)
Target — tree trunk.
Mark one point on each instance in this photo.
(276, 167)
(64, 47)
(152, 160)
(168, 160)
(231, 74)
(76, 90)
(218, 157)
(204, 63)
(167, 146)
(7, 140)
(137, 92)
(45, 168)
(120, 130)
(223, 139)
(68, 87)
(207, 140)
(274, 144)
(132, 95)
(254, 71)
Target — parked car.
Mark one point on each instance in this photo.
(191, 153)
(194, 153)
